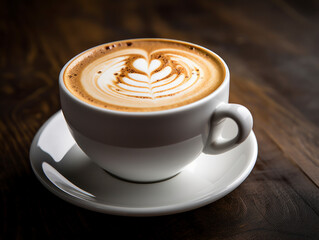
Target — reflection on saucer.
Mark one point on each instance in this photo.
(64, 184)
(54, 130)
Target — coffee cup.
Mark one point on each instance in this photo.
(130, 139)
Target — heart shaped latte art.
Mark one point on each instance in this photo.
(144, 75)
(151, 77)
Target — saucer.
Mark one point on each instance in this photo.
(66, 171)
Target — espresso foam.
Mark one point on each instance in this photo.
(143, 75)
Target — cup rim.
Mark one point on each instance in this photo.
(182, 108)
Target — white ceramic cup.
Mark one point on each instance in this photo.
(153, 146)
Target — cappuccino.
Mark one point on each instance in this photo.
(144, 75)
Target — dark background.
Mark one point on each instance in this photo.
(271, 48)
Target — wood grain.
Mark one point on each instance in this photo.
(272, 50)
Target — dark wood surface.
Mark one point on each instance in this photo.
(272, 50)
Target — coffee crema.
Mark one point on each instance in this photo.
(143, 75)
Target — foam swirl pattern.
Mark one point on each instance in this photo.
(137, 79)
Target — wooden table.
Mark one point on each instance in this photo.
(272, 50)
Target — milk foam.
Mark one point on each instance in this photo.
(148, 79)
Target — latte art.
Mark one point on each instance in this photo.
(157, 76)
(144, 76)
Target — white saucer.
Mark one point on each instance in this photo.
(65, 170)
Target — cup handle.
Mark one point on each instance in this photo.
(216, 143)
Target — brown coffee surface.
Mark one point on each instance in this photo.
(144, 75)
